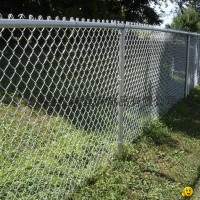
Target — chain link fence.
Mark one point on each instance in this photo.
(72, 91)
(154, 76)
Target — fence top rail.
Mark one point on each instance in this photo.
(76, 23)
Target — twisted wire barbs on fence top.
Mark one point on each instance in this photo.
(40, 17)
(57, 22)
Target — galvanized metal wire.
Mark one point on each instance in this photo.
(72, 91)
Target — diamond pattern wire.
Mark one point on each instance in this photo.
(154, 77)
(58, 99)
(193, 70)
(52, 134)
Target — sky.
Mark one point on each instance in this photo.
(169, 12)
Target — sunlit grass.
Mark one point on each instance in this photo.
(45, 156)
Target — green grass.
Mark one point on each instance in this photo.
(43, 156)
(157, 165)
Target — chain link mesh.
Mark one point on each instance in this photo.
(154, 76)
(193, 70)
(53, 131)
(58, 100)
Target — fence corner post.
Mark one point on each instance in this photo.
(187, 66)
(121, 91)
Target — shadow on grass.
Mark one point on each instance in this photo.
(194, 184)
(160, 174)
(159, 135)
(164, 139)
(196, 181)
(185, 116)
(79, 113)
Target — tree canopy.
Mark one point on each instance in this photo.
(128, 10)
(183, 4)
(189, 20)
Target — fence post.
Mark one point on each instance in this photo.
(187, 66)
(121, 91)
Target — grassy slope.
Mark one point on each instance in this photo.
(158, 165)
(43, 156)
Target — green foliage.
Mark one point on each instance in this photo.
(188, 21)
(185, 3)
(137, 11)
(156, 129)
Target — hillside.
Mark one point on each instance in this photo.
(40, 161)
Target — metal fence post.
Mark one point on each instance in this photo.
(121, 91)
(187, 65)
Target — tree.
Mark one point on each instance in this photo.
(128, 10)
(141, 11)
(182, 4)
(188, 21)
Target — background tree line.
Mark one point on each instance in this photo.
(128, 10)
(140, 11)
(188, 17)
